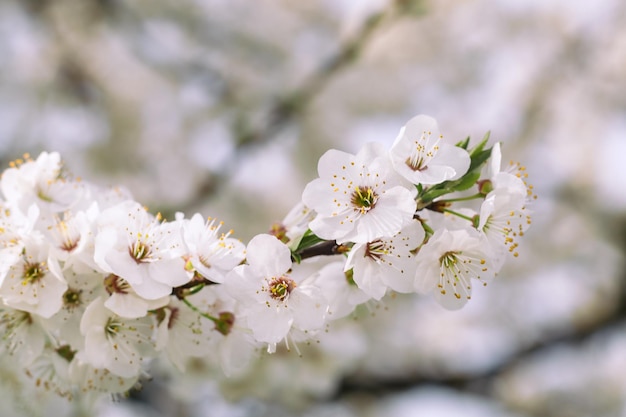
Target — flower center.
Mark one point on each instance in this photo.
(112, 327)
(204, 260)
(376, 250)
(69, 237)
(421, 156)
(457, 269)
(281, 287)
(139, 251)
(71, 298)
(363, 199)
(449, 259)
(116, 285)
(33, 272)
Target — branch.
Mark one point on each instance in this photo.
(289, 107)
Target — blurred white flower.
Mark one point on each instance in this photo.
(136, 246)
(114, 343)
(23, 336)
(339, 289)
(41, 182)
(34, 282)
(183, 334)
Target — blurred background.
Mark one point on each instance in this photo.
(224, 106)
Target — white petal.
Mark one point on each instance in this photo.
(127, 305)
(268, 255)
(334, 228)
(453, 157)
(308, 307)
(151, 290)
(169, 271)
(269, 324)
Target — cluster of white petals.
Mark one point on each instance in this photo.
(94, 287)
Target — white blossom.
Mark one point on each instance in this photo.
(272, 301)
(139, 248)
(23, 336)
(339, 289)
(387, 262)
(114, 343)
(209, 253)
(34, 282)
(42, 182)
(449, 261)
(421, 155)
(358, 198)
(504, 219)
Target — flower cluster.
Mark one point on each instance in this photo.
(93, 286)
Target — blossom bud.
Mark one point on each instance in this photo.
(225, 322)
(485, 187)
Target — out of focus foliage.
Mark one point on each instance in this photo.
(224, 107)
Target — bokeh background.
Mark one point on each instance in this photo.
(224, 106)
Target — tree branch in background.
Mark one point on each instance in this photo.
(286, 109)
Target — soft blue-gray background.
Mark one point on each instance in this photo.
(224, 107)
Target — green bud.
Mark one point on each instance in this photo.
(225, 322)
(485, 187)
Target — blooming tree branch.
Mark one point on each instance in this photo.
(94, 287)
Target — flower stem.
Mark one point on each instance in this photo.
(463, 216)
(468, 198)
(197, 310)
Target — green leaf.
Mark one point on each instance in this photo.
(479, 148)
(464, 143)
(296, 257)
(466, 181)
(308, 239)
(479, 159)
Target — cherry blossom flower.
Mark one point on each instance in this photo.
(420, 154)
(387, 262)
(210, 254)
(183, 334)
(358, 198)
(137, 247)
(114, 343)
(92, 379)
(339, 289)
(504, 216)
(294, 225)
(34, 283)
(272, 301)
(22, 335)
(511, 178)
(42, 182)
(83, 286)
(449, 261)
(231, 348)
(504, 219)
